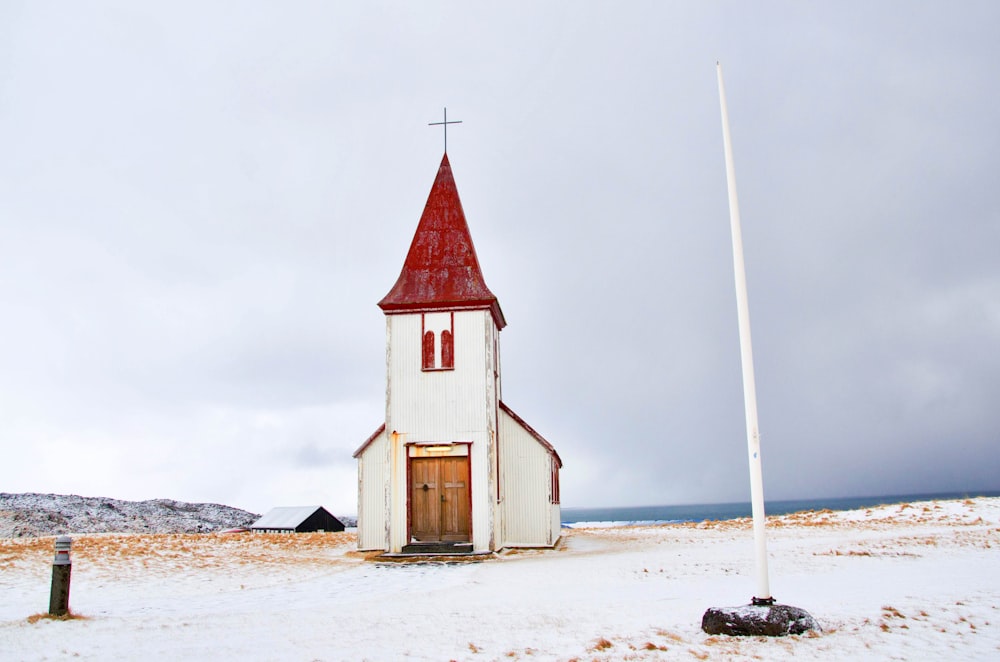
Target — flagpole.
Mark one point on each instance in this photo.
(746, 355)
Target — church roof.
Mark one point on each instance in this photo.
(441, 271)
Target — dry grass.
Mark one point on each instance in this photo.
(601, 645)
(672, 636)
(889, 611)
(181, 551)
(45, 616)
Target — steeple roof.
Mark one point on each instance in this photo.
(441, 271)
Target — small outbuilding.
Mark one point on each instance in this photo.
(297, 519)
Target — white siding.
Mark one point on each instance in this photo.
(444, 406)
(526, 481)
(373, 494)
(438, 405)
(555, 514)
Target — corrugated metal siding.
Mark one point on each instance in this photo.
(437, 405)
(445, 406)
(556, 524)
(373, 488)
(526, 478)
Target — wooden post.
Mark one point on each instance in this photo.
(61, 569)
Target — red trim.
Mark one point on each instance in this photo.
(448, 346)
(427, 345)
(539, 438)
(409, 493)
(493, 307)
(468, 478)
(369, 441)
(555, 483)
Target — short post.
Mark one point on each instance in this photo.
(61, 568)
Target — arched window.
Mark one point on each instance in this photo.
(447, 350)
(429, 350)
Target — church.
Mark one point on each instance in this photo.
(452, 469)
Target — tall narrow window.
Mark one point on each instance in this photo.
(447, 350)
(429, 350)
(555, 480)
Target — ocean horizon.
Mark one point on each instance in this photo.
(700, 512)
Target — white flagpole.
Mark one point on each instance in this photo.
(746, 355)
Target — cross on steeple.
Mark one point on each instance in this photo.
(445, 124)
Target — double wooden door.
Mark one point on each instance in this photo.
(439, 499)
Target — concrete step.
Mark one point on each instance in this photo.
(437, 548)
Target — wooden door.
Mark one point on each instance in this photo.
(439, 499)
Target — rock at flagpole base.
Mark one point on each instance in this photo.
(756, 620)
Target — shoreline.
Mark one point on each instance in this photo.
(698, 512)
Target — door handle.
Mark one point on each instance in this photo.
(442, 498)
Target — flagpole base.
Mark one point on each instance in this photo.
(762, 618)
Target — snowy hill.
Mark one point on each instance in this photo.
(26, 515)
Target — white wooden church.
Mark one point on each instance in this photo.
(452, 467)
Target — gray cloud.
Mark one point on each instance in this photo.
(199, 210)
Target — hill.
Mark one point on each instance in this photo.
(28, 515)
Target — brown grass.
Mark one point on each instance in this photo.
(672, 636)
(601, 644)
(180, 550)
(45, 616)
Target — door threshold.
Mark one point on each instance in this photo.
(438, 548)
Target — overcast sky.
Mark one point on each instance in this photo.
(201, 204)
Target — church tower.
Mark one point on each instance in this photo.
(435, 477)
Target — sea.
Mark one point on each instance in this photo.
(700, 512)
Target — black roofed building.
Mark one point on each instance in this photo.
(297, 519)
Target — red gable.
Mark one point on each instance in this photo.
(441, 271)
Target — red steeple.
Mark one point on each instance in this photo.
(441, 271)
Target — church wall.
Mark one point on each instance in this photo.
(444, 406)
(526, 485)
(437, 405)
(373, 476)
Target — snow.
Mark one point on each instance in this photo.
(50, 514)
(910, 581)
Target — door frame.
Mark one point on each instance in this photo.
(428, 450)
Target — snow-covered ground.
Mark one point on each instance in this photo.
(911, 581)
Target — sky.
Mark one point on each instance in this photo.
(202, 203)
